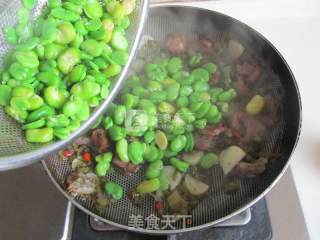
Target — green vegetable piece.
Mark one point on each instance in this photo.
(136, 151)
(122, 150)
(93, 9)
(154, 169)
(28, 45)
(147, 106)
(211, 68)
(66, 33)
(151, 153)
(174, 65)
(187, 115)
(149, 136)
(36, 124)
(161, 140)
(52, 51)
(18, 115)
(200, 86)
(185, 91)
(190, 142)
(105, 157)
(195, 60)
(214, 93)
(72, 7)
(227, 95)
(65, 15)
(35, 102)
(70, 108)
(158, 96)
(119, 57)
(78, 73)
(148, 186)
(155, 72)
(200, 123)
(22, 91)
(55, 97)
(68, 60)
(107, 123)
(216, 119)
(165, 107)
(227, 75)
(102, 168)
(203, 110)
(212, 114)
(29, 4)
(49, 78)
(107, 26)
(74, 125)
(179, 164)
(208, 160)
(5, 95)
(92, 47)
(80, 28)
(93, 24)
(49, 30)
(58, 121)
(164, 181)
(178, 143)
(10, 35)
(20, 103)
(200, 74)
(42, 112)
(61, 133)
(119, 114)
(27, 59)
(41, 135)
(173, 91)
(54, 3)
(182, 102)
(113, 189)
(119, 41)
(129, 100)
(24, 31)
(116, 133)
(83, 112)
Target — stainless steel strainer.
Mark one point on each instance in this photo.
(218, 205)
(14, 150)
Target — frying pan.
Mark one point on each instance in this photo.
(217, 206)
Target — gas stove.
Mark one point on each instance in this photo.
(31, 208)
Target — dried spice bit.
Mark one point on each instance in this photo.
(246, 169)
(136, 197)
(68, 153)
(99, 140)
(86, 156)
(176, 43)
(81, 183)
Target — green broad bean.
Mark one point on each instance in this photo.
(66, 33)
(118, 13)
(122, 150)
(154, 169)
(54, 3)
(195, 60)
(74, 125)
(92, 66)
(10, 35)
(27, 58)
(148, 106)
(149, 136)
(5, 95)
(77, 41)
(94, 101)
(119, 57)
(227, 96)
(182, 102)
(118, 40)
(136, 151)
(169, 154)
(104, 91)
(203, 110)
(55, 97)
(136, 123)
(93, 24)
(23, 16)
(80, 28)
(165, 107)
(49, 30)
(154, 86)
(35, 102)
(83, 112)
(112, 70)
(164, 181)
(129, 100)
(179, 164)
(155, 72)
(200, 86)
(208, 160)
(125, 22)
(119, 114)
(200, 74)
(93, 9)
(174, 65)
(108, 26)
(18, 115)
(41, 135)
(99, 34)
(212, 114)
(187, 115)
(178, 143)
(107, 122)
(210, 67)
(29, 4)
(34, 125)
(5, 77)
(227, 75)
(185, 91)
(200, 123)
(42, 112)
(68, 59)
(173, 91)
(49, 78)
(28, 45)
(216, 119)
(214, 93)
(97, 122)
(158, 96)
(102, 168)
(105, 157)
(224, 107)
(70, 108)
(139, 91)
(188, 80)
(20, 103)
(113, 189)
(65, 15)
(116, 133)
(190, 142)
(58, 121)
(22, 91)
(100, 62)
(61, 133)
(199, 97)
(24, 32)
(72, 7)
(148, 186)
(151, 153)
(92, 47)
(78, 73)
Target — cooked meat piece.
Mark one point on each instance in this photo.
(213, 130)
(246, 169)
(127, 168)
(82, 140)
(176, 43)
(216, 78)
(207, 138)
(241, 87)
(205, 43)
(249, 71)
(99, 140)
(80, 183)
(132, 168)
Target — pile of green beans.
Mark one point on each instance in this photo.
(159, 111)
(62, 64)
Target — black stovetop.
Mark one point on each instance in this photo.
(259, 227)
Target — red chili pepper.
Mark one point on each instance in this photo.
(67, 153)
(86, 156)
(159, 205)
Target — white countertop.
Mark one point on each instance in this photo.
(293, 26)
